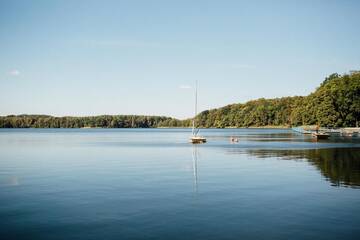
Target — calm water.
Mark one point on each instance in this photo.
(152, 184)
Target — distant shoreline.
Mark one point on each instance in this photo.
(334, 104)
(253, 127)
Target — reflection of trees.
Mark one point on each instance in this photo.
(341, 166)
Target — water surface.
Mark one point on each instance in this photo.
(153, 184)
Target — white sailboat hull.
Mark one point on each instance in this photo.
(197, 139)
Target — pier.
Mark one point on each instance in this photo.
(342, 132)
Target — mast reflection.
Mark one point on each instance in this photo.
(194, 166)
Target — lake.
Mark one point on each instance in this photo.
(153, 184)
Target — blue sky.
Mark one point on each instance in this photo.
(140, 57)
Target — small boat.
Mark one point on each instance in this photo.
(196, 138)
(320, 135)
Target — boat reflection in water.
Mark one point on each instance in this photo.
(340, 166)
(194, 167)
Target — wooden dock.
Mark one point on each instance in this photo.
(341, 132)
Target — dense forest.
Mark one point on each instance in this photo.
(335, 103)
(104, 121)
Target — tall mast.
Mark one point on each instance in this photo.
(194, 125)
(196, 86)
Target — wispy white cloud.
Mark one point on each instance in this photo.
(123, 43)
(14, 72)
(242, 66)
(185, 87)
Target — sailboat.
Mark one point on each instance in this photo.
(196, 138)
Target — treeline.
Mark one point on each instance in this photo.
(104, 121)
(335, 103)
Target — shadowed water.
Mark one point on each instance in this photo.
(153, 184)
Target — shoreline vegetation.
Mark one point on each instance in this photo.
(254, 127)
(335, 103)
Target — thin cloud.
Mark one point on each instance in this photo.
(14, 72)
(185, 87)
(123, 44)
(242, 66)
